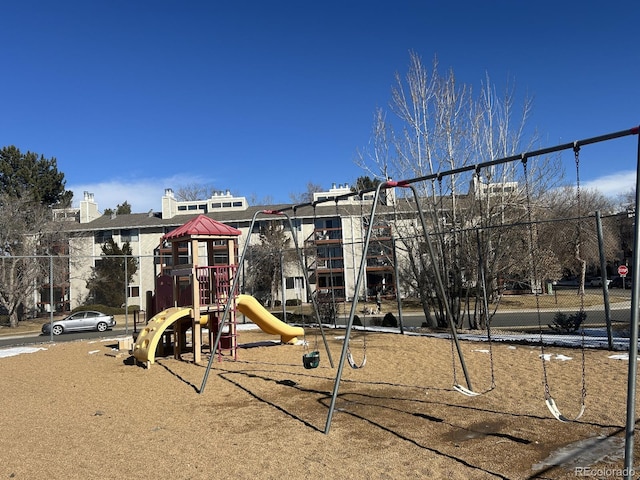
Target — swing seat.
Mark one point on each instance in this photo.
(311, 360)
(352, 362)
(465, 391)
(555, 411)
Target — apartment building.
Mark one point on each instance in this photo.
(334, 230)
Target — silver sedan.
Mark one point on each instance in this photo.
(83, 320)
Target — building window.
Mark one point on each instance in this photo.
(134, 291)
(294, 282)
(129, 235)
(103, 236)
(182, 208)
(259, 226)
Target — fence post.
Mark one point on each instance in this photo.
(605, 282)
(126, 297)
(51, 304)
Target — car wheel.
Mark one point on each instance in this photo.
(102, 327)
(57, 330)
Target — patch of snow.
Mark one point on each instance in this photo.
(549, 356)
(12, 352)
(563, 357)
(621, 356)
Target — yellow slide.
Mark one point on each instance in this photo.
(259, 315)
(144, 350)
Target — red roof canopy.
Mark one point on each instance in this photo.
(202, 226)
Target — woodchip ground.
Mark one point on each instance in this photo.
(84, 410)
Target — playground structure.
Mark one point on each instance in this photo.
(227, 319)
(440, 290)
(199, 293)
(251, 308)
(310, 359)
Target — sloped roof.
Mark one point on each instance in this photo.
(202, 226)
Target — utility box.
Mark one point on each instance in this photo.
(125, 343)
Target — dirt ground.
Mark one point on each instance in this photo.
(84, 410)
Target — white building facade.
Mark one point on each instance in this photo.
(335, 229)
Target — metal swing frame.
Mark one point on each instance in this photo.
(635, 298)
(635, 295)
(363, 262)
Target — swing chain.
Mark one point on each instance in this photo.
(576, 154)
(545, 380)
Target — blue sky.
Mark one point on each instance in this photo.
(135, 96)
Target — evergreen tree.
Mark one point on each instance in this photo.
(121, 209)
(365, 183)
(29, 184)
(27, 175)
(107, 282)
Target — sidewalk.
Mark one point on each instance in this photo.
(26, 327)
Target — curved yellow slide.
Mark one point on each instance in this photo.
(259, 315)
(144, 350)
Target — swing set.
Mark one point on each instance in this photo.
(468, 389)
(311, 358)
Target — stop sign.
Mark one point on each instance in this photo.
(623, 270)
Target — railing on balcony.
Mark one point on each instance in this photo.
(214, 283)
(327, 235)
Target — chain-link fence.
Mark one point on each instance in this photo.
(519, 282)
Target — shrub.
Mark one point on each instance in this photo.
(564, 323)
(389, 320)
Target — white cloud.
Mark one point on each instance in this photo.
(613, 184)
(143, 195)
(146, 194)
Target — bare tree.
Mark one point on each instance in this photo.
(267, 261)
(194, 191)
(573, 237)
(443, 126)
(254, 199)
(306, 197)
(624, 225)
(24, 224)
(627, 200)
